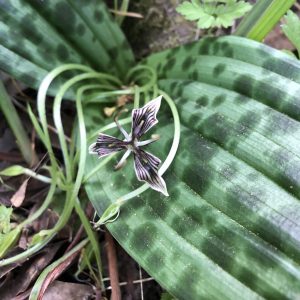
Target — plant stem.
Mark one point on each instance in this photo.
(112, 267)
(262, 18)
(11, 115)
(92, 238)
(123, 8)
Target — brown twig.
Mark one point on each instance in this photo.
(127, 14)
(297, 5)
(112, 267)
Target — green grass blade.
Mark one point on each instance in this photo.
(123, 8)
(13, 119)
(262, 18)
(96, 16)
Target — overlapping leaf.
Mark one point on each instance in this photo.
(36, 36)
(230, 228)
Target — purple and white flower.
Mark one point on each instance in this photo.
(145, 163)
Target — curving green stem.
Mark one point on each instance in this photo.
(41, 105)
(43, 207)
(57, 117)
(80, 93)
(152, 77)
(92, 238)
(72, 189)
(109, 94)
(73, 139)
(43, 237)
(137, 94)
(25, 254)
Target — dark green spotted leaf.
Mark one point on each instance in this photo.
(37, 36)
(231, 226)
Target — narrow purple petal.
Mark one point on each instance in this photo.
(144, 118)
(106, 145)
(146, 169)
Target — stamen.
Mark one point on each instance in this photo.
(126, 135)
(121, 163)
(154, 138)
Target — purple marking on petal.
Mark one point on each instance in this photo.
(146, 169)
(144, 118)
(106, 145)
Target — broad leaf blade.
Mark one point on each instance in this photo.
(238, 48)
(106, 31)
(37, 36)
(230, 228)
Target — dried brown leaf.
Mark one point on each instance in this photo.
(108, 111)
(19, 196)
(124, 99)
(51, 276)
(19, 282)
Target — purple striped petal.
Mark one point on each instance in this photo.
(106, 145)
(144, 118)
(146, 169)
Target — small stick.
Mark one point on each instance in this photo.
(112, 267)
(127, 14)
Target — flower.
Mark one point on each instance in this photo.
(145, 163)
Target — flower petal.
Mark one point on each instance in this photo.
(106, 145)
(144, 118)
(146, 169)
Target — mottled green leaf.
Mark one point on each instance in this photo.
(230, 228)
(240, 49)
(37, 36)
